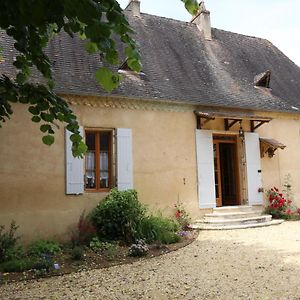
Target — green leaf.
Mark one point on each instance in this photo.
(45, 127)
(107, 79)
(47, 117)
(34, 110)
(134, 65)
(48, 139)
(23, 100)
(75, 137)
(36, 119)
(91, 47)
(21, 78)
(79, 149)
(43, 105)
(191, 6)
(132, 53)
(112, 57)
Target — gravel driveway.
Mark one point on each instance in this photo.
(260, 263)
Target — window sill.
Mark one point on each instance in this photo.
(97, 191)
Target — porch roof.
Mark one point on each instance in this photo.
(269, 146)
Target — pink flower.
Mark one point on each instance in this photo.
(288, 212)
(298, 211)
(178, 214)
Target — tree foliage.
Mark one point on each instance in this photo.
(32, 23)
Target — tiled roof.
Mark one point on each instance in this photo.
(180, 65)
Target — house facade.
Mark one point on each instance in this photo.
(212, 119)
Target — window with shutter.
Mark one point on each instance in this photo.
(98, 160)
(96, 173)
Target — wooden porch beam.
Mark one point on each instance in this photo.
(260, 123)
(206, 120)
(229, 124)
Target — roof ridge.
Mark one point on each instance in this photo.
(241, 34)
(193, 24)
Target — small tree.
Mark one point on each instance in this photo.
(31, 24)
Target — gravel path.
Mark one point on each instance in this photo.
(260, 263)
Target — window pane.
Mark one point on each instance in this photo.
(104, 159)
(90, 174)
(104, 180)
(90, 140)
(104, 141)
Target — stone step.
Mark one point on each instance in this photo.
(231, 215)
(239, 208)
(208, 226)
(240, 221)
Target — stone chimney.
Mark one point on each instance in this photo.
(202, 20)
(134, 7)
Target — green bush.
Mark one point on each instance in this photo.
(118, 216)
(16, 252)
(109, 249)
(39, 248)
(77, 253)
(8, 241)
(18, 265)
(168, 237)
(96, 245)
(159, 228)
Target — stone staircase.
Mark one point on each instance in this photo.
(234, 217)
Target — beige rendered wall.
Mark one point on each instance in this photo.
(287, 161)
(32, 184)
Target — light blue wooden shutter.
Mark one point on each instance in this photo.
(205, 169)
(253, 163)
(124, 159)
(74, 168)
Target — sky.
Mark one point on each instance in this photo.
(277, 21)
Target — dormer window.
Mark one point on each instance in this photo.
(263, 79)
(124, 69)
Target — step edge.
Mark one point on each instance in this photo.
(241, 226)
(235, 220)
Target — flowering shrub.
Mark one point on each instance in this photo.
(280, 207)
(182, 216)
(138, 249)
